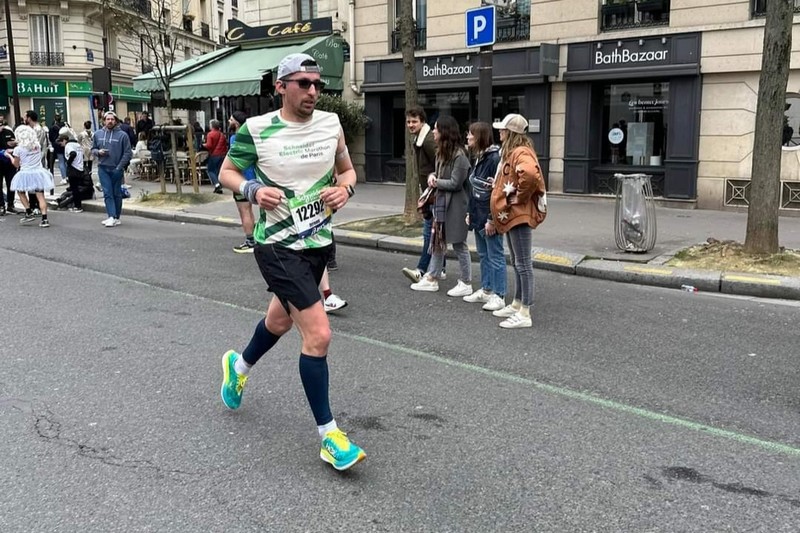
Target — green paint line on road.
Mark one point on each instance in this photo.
(770, 446)
(589, 398)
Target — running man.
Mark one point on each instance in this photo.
(296, 152)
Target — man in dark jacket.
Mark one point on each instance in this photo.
(55, 149)
(145, 124)
(425, 157)
(128, 129)
(7, 169)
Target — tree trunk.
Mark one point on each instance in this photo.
(765, 184)
(407, 43)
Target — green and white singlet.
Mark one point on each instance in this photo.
(298, 158)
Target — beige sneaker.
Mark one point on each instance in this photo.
(461, 289)
(516, 321)
(505, 312)
(425, 285)
(414, 274)
(495, 303)
(478, 296)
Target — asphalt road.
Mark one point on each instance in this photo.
(625, 408)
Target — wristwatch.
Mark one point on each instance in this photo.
(350, 190)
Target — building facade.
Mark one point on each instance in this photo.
(664, 87)
(58, 43)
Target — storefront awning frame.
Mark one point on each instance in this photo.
(240, 72)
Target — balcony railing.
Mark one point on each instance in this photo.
(143, 7)
(624, 14)
(112, 63)
(47, 58)
(147, 67)
(760, 7)
(205, 31)
(420, 38)
(513, 29)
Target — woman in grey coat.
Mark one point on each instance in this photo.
(449, 209)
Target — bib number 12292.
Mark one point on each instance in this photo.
(309, 213)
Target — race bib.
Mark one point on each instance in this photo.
(309, 214)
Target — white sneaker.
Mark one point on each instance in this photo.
(414, 274)
(461, 289)
(425, 285)
(516, 321)
(111, 222)
(443, 277)
(117, 222)
(495, 303)
(333, 303)
(505, 312)
(478, 296)
(107, 221)
(63, 182)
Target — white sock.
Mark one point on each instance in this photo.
(330, 426)
(241, 367)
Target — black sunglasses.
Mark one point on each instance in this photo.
(306, 84)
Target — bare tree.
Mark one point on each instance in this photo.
(148, 30)
(408, 40)
(765, 184)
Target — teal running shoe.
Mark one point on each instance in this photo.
(232, 383)
(339, 452)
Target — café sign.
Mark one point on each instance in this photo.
(239, 32)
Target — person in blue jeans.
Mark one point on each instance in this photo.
(111, 148)
(488, 242)
(425, 154)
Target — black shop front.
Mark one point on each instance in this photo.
(633, 106)
(448, 85)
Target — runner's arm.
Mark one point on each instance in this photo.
(336, 197)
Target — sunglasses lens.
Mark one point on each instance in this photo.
(306, 84)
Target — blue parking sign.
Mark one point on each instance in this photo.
(480, 26)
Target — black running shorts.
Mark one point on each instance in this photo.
(292, 275)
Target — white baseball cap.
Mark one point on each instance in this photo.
(512, 122)
(297, 63)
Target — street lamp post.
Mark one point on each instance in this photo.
(13, 65)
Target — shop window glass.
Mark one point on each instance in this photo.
(514, 21)
(419, 13)
(306, 9)
(791, 120)
(759, 7)
(635, 119)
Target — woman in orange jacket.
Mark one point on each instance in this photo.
(519, 204)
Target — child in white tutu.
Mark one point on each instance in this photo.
(31, 177)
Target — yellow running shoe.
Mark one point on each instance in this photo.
(339, 452)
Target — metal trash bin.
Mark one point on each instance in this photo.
(634, 213)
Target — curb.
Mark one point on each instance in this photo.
(654, 273)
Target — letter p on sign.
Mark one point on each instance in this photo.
(480, 26)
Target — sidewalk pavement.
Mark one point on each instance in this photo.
(576, 238)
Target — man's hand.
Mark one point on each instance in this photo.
(269, 197)
(490, 229)
(334, 197)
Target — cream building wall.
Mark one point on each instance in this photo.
(81, 30)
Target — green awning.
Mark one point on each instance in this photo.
(240, 73)
(150, 82)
